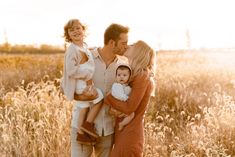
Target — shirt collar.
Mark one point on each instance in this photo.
(96, 54)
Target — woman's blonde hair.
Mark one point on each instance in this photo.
(69, 25)
(143, 58)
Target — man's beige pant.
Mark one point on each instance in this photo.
(102, 147)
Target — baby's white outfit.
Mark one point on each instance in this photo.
(120, 91)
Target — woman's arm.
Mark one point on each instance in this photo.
(139, 87)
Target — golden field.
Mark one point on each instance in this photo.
(192, 114)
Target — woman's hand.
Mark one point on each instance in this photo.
(89, 93)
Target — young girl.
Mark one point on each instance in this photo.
(78, 70)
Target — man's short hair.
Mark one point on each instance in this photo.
(113, 32)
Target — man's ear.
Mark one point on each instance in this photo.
(112, 43)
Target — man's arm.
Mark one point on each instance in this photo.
(90, 93)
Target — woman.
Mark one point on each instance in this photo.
(129, 141)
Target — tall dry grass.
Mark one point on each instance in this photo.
(193, 113)
(35, 121)
(17, 68)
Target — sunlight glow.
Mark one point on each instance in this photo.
(161, 23)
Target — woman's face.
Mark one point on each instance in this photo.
(129, 52)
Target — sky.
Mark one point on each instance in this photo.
(163, 24)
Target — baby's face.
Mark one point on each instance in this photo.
(122, 76)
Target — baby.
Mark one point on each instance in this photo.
(120, 90)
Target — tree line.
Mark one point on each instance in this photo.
(7, 48)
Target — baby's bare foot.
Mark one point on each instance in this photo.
(120, 127)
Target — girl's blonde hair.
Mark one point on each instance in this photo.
(69, 25)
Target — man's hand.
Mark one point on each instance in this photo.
(116, 113)
(89, 93)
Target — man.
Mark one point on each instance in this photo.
(106, 60)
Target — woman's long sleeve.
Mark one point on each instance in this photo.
(139, 87)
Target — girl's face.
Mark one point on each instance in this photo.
(76, 32)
